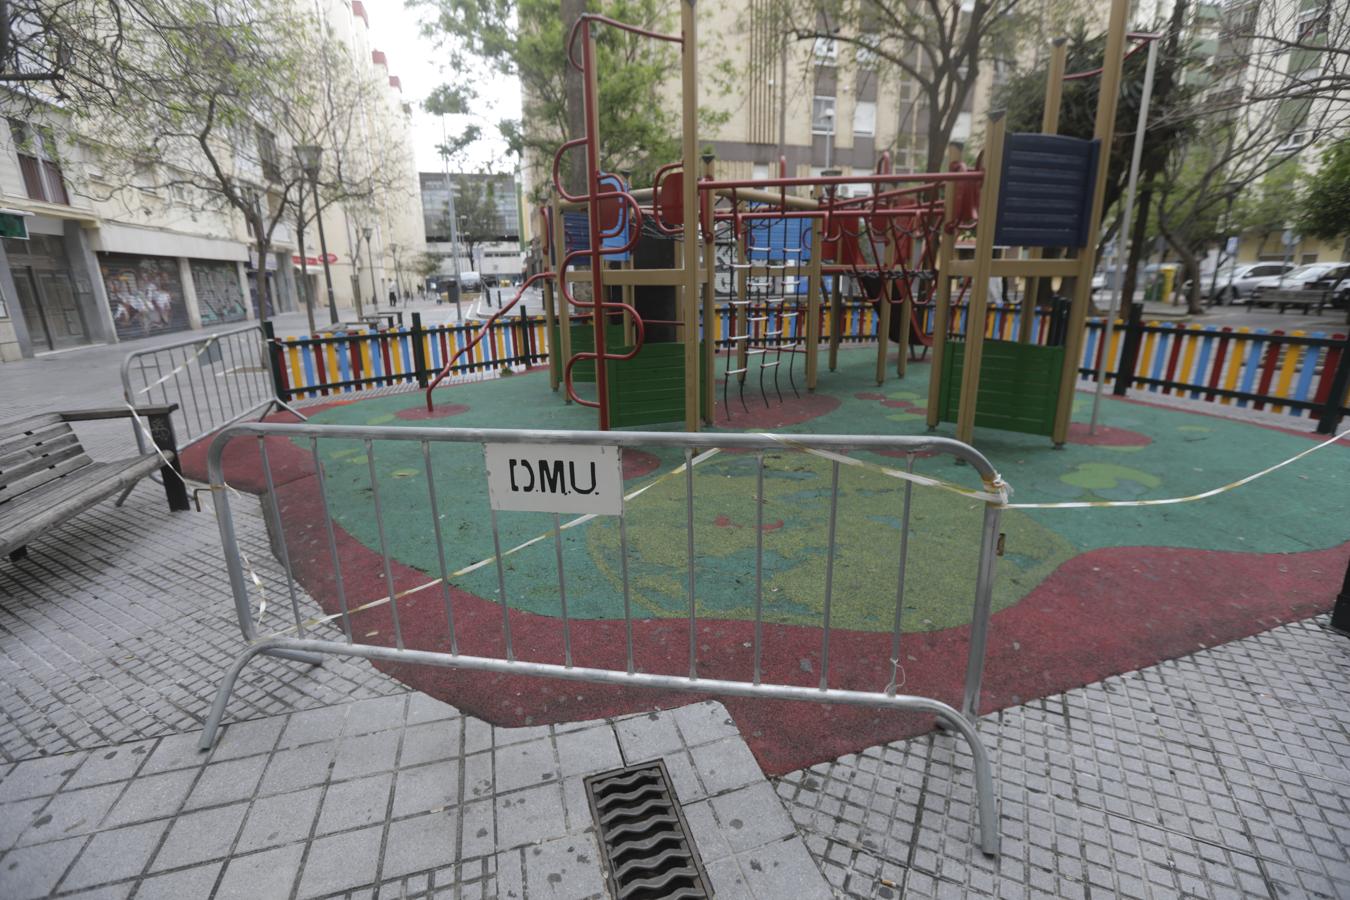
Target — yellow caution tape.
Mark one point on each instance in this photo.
(1168, 501)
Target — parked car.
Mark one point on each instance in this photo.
(1337, 283)
(1298, 279)
(470, 281)
(1235, 285)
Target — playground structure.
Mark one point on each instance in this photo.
(902, 245)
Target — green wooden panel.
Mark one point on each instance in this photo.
(583, 341)
(649, 388)
(1019, 385)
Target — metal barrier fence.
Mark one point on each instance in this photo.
(214, 379)
(549, 452)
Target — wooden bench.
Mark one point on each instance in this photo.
(1287, 298)
(47, 477)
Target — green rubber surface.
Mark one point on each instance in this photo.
(1146, 452)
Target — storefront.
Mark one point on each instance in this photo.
(145, 294)
(46, 293)
(220, 297)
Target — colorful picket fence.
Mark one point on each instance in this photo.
(363, 359)
(1293, 374)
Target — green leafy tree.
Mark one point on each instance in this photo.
(476, 206)
(526, 39)
(1324, 202)
(1168, 129)
(1264, 210)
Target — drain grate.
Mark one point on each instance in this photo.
(644, 839)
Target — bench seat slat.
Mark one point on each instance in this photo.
(9, 490)
(31, 514)
(38, 434)
(23, 453)
(18, 427)
(38, 459)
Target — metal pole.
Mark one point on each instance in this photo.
(1124, 230)
(374, 291)
(454, 229)
(304, 269)
(323, 249)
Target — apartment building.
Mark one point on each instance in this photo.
(83, 261)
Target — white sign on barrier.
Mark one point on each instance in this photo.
(557, 478)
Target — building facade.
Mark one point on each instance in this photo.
(489, 229)
(87, 262)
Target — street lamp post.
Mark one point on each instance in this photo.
(304, 268)
(310, 156)
(370, 261)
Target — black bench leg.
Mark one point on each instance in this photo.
(161, 430)
(21, 553)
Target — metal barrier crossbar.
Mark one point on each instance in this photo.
(214, 379)
(500, 448)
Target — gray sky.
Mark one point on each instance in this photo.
(413, 58)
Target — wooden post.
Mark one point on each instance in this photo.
(276, 361)
(979, 289)
(1129, 349)
(689, 127)
(419, 350)
(551, 322)
(813, 289)
(836, 318)
(1112, 63)
(1054, 90)
(941, 304)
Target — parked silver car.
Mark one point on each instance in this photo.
(1235, 285)
(1337, 282)
(1300, 279)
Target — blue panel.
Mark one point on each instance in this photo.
(577, 233)
(1045, 195)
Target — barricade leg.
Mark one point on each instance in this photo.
(985, 797)
(226, 687)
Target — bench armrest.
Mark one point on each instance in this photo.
(115, 412)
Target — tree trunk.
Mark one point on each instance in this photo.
(1190, 270)
(573, 83)
(263, 247)
(1138, 241)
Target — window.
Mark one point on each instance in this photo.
(268, 158)
(961, 128)
(759, 171)
(36, 150)
(864, 53)
(865, 117)
(826, 49)
(1312, 22)
(1294, 141)
(822, 115)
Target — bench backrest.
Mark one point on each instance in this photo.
(35, 452)
(1310, 296)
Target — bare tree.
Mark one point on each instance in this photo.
(204, 101)
(939, 45)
